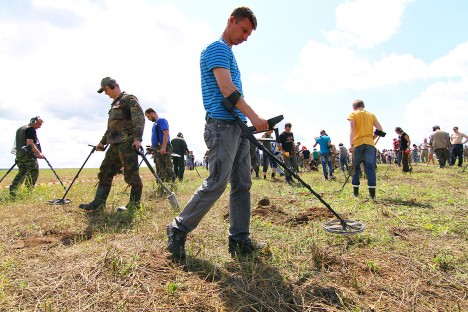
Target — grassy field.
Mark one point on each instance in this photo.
(412, 256)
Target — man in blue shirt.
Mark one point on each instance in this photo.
(228, 156)
(161, 146)
(325, 153)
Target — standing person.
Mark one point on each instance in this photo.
(343, 151)
(457, 146)
(404, 143)
(325, 153)
(228, 155)
(179, 147)
(440, 142)
(253, 159)
(161, 146)
(28, 150)
(362, 124)
(287, 147)
(267, 160)
(424, 148)
(124, 134)
(306, 158)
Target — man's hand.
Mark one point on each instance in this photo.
(286, 154)
(40, 155)
(100, 147)
(259, 123)
(162, 151)
(137, 145)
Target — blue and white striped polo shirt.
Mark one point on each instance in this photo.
(218, 54)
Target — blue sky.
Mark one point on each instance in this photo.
(308, 60)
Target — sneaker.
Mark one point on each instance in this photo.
(176, 242)
(243, 248)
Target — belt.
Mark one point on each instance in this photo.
(211, 120)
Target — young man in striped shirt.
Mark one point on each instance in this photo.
(228, 157)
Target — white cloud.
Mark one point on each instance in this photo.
(324, 69)
(366, 23)
(54, 71)
(443, 103)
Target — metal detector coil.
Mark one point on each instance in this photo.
(63, 200)
(345, 227)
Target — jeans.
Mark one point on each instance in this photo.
(344, 162)
(266, 161)
(228, 161)
(364, 153)
(457, 152)
(325, 158)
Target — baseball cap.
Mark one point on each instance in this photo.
(106, 82)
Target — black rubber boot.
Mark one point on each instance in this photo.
(356, 191)
(176, 242)
(135, 197)
(99, 201)
(372, 192)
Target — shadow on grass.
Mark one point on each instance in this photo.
(401, 202)
(103, 221)
(247, 285)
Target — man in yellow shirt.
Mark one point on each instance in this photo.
(362, 137)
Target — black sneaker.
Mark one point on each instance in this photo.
(176, 242)
(242, 249)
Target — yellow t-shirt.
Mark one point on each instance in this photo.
(364, 127)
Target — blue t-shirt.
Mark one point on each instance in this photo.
(157, 134)
(218, 55)
(323, 142)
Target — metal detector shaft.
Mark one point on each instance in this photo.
(153, 172)
(58, 178)
(78, 173)
(249, 135)
(8, 172)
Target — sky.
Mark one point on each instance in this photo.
(308, 60)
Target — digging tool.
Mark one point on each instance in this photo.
(58, 178)
(172, 198)
(8, 172)
(340, 226)
(62, 201)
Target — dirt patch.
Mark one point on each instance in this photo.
(314, 213)
(50, 238)
(277, 215)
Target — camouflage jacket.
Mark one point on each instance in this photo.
(126, 121)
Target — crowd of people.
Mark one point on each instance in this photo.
(230, 156)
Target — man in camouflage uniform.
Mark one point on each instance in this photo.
(27, 149)
(161, 146)
(124, 135)
(253, 159)
(179, 147)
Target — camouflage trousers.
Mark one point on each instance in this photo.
(28, 171)
(120, 156)
(164, 166)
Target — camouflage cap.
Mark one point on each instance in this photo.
(107, 81)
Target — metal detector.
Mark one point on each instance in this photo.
(8, 172)
(172, 198)
(58, 178)
(339, 226)
(63, 201)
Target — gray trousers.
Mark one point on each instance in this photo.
(228, 160)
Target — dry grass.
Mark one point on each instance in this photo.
(412, 257)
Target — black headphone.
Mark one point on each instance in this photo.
(34, 120)
(112, 84)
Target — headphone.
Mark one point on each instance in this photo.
(112, 84)
(34, 120)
